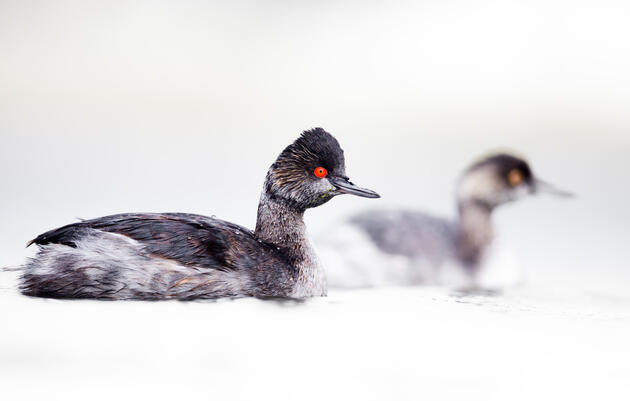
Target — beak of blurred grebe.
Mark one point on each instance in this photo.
(541, 186)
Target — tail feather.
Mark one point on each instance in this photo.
(11, 269)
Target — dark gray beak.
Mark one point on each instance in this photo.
(344, 186)
(541, 186)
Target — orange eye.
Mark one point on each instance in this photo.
(321, 172)
(515, 177)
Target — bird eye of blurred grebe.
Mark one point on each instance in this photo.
(406, 247)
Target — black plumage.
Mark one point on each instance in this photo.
(192, 240)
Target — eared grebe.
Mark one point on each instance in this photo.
(186, 256)
(402, 247)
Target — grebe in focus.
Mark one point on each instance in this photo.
(184, 256)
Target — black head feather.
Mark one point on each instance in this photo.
(495, 180)
(312, 149)
(291, 177)
(504, 163)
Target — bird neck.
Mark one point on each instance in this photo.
(474, 233)
(280, 224)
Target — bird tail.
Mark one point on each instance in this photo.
(11, 268)
(8, 269)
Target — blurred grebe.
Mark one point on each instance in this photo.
(186, 256)
(402, 247)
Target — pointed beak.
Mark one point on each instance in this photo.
(541, 186)
(344, 186)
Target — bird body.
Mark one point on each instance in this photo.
(158, 256)
(408, 247)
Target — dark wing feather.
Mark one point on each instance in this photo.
(409, 233)
(192, 240)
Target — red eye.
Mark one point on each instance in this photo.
(321, 172)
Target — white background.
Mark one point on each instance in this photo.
(120, 106)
